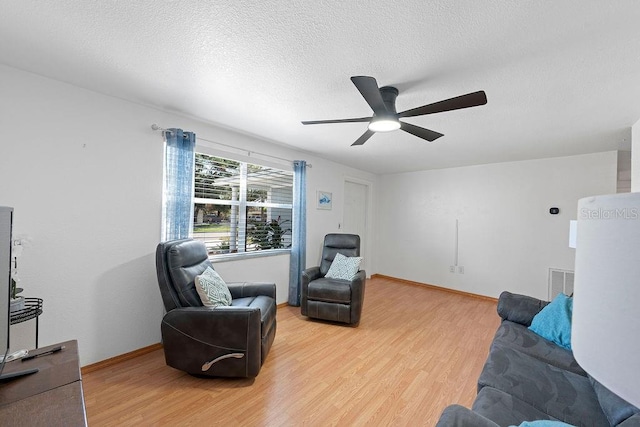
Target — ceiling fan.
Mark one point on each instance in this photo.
(385, 118)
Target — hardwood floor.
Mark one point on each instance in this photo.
(415, 351)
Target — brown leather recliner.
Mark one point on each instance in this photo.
(333, 299)
(228, 341)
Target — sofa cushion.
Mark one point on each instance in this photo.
(614, 407)
(267, 306)
(330, 290)
(543, 423)
(519, 308)
(504, 409)
(553, 322)
(519, 338)
(631, 422)
(561, 394)
(459, 416)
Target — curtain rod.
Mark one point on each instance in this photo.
(249, 152)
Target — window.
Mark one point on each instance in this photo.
(241, 207)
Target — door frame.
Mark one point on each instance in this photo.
(368, 249)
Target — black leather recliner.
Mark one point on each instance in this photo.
(228, 341)
(333, 299)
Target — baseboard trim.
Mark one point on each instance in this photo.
(434, 287)
(120, 358)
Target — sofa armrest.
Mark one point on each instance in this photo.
(459, 416)
(519, 308)
(252, 289)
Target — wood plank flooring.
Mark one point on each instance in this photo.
(415, 351)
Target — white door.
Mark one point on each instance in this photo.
(355, 217)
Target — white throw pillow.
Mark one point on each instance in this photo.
(212, 289)
(344, 267)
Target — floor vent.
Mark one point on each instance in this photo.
(560, 281)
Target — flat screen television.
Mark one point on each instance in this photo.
(6, 224)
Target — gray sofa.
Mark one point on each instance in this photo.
(527, 378)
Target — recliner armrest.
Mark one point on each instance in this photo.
(311, 274)
(359, 278)
(306, 277)
(199, 322)
(252, 289)
(357, 295)
(193, 336)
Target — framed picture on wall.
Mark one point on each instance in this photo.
(324, 200)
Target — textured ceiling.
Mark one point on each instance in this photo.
(561, 77)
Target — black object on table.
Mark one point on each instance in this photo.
(32, 310)
(43, 353)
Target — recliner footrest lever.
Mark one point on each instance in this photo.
(208, 365)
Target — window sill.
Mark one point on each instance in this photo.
(248, 255)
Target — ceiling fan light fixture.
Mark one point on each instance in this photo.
(382, 101)
(384, 124)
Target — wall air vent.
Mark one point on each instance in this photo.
(560, 281)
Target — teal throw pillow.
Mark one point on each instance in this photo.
(344, 267)
(212, 290)
(553, 322)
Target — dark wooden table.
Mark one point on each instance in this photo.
(52, 396)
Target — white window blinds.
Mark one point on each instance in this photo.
(241, 207)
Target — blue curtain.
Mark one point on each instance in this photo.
(179, 162)
(299, 233)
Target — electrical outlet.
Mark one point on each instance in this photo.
(460, 269)
(452, 269)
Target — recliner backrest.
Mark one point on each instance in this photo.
(178, 262)
(346, 244)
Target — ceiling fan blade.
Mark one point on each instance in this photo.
(463, 101)
(368, 88)
(363, 138)
(320, 122)
(420, 132)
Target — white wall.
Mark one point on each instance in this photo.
(635, 157)
(330, 221)
(507, 238)
(84, 174)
